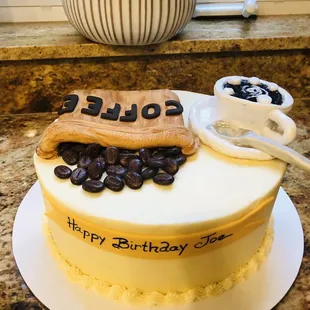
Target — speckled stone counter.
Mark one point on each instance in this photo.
(39, 63)
(208, 35)
(19, 135)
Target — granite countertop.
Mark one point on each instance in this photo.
(19, 135)
(208, 35)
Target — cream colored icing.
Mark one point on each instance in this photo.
(254, 81)
(209, 190)
(135, 296)
(265, 99)
(273, 86)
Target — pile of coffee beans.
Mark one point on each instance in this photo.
(113, 168)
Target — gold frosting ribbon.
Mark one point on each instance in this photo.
(159, 247)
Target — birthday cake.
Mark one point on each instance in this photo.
(138, 209)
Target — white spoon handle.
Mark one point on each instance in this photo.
(275, 149)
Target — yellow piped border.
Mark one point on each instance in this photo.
(136, 296)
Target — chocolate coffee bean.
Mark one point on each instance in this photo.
(93, 186)
(155, 163)
(116, 170)
(95, 170)
(163, 179)
(159, 155)
(125, 158)
(145, 155)
(171, 166)
(149, 173)
(100, 159)
(135, 165)
(126, 151)
(172, 151)
(62, 172)
(180, 159)
(162, 149)
(63, 147)
(114, 183)
(79, 176)
(84, 162)
(78, 148)
(111, 155)
(133, 180)
(102, 152)
(71, 158)
(93, 150)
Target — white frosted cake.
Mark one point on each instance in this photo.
(178, 232)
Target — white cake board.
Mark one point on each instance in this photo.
(262, 291)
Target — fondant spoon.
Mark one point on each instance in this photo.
(248, 138)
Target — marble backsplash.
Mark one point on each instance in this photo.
(29, 86)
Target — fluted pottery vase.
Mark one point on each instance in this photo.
(129, 22)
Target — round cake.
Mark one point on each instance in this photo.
(166, 236)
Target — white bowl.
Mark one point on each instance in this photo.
(129, 22)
